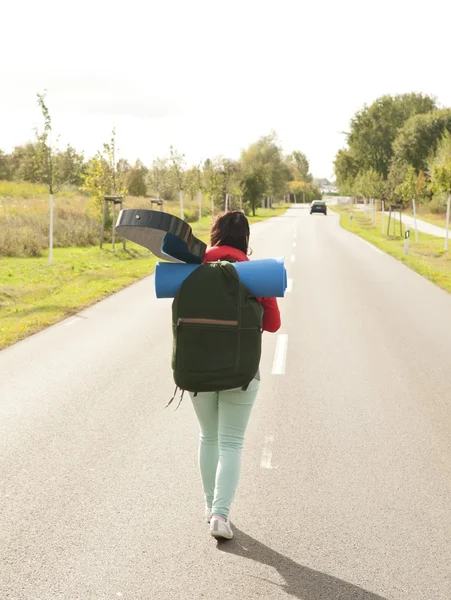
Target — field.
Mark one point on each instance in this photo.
(34, 295)
(24, 218)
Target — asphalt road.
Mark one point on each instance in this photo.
(346, 483)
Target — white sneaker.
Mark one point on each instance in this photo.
(208, 514)
(220, 528)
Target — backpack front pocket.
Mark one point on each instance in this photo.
(206, 345)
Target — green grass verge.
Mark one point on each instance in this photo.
(427, 258)
(34, 295)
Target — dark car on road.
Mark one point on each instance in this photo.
(318, 206)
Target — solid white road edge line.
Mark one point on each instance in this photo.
(280, 355)
(372, 246)
(70, 322)
(265, 462)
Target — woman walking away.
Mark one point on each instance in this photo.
(223, 415)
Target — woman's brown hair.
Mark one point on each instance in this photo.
(231, 229)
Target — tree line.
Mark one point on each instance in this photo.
(398, 149)
(263, 170)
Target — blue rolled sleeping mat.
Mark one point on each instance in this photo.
(263, 278)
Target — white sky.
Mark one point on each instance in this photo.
(210, 77)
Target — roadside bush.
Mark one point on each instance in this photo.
(27, 234)
(437, 205)
(19, 239)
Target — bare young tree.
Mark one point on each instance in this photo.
(45, 169)
(178, 173)
(160, 177)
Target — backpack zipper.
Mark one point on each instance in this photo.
(208, 322)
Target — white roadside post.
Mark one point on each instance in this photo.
(51, 231)
(414, 205)
(382, 216)
(182, 213)
(448, 210)
(406, 240)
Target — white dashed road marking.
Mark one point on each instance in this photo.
(289, 286)
(280, 355)
(265, 462)
(293, 258)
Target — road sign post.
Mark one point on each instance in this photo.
(406, 240)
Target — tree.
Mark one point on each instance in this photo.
(5, 166)
(178, 174)
(373, 131)
(346, 168)
(376, 185)
(159, 178)
(254, 186)
(69, 166)
(299, 166)
(306, 191)
(440, 166)
(419, 138)
(103, 179)
(45, 163)
(265, 160)
(123, 166)
(230, 176)
(412, 186)
(212, 179)
(194, 185)
(22, 163)
(441, 175)
(370, 184)
(193, 181)
(136, 180)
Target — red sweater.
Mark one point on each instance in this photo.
(271, 313)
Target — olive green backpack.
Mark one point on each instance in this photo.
(217, 331)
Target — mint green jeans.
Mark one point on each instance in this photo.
(223, 418)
